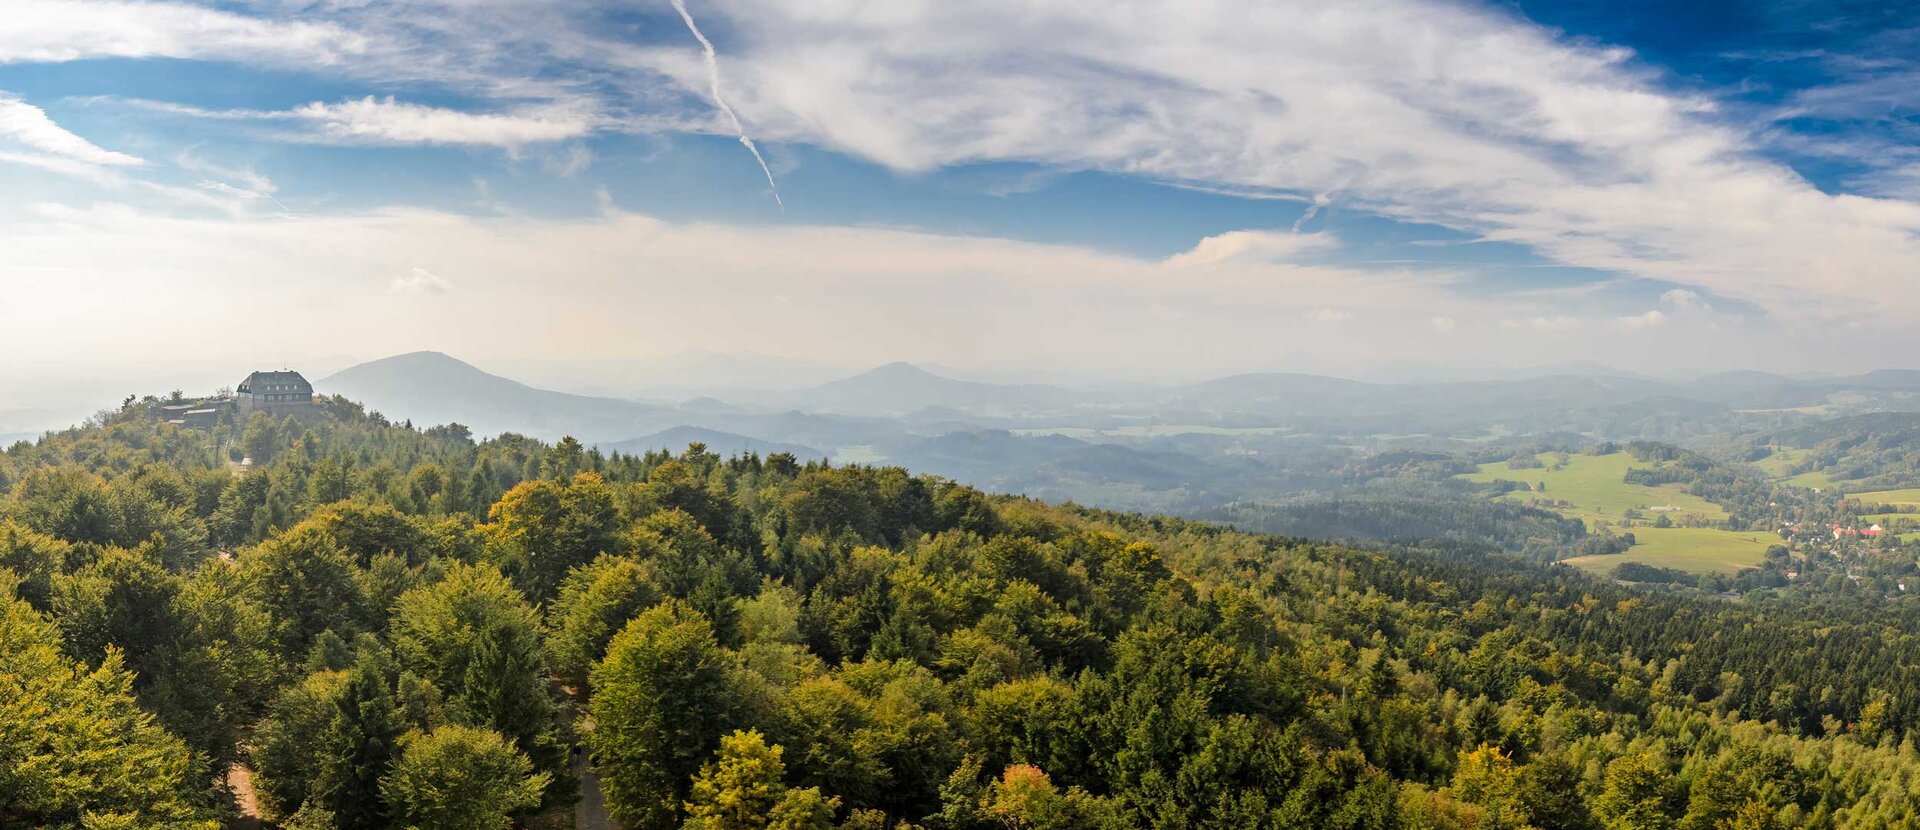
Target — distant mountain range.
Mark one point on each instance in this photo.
(723, 443)
(899, 401)
(1179, 447)
(429, 388)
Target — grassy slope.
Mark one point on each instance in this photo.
(1812, 481)
(1781, 460)
(1694, 549)
(1909, 496)
(1596, 487)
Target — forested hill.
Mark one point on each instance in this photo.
(376, 626)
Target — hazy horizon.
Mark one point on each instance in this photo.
(47, 399)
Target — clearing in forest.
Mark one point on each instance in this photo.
(1909, 497)
(1595, 487)
(1692, 549)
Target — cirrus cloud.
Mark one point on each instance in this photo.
(28, 127)
(43, 31)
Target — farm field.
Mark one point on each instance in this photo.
(1909, 496)
(1596, 489)
(1695, 549)
(1595, 486)
(1812, 481)
(1889, 519)
(1781, 461)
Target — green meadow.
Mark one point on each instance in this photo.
(1907, 497)
(1596, 487)
(1694, 549)
(1781, 461)
(1813, 481)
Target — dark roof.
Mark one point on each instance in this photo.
(259, 380)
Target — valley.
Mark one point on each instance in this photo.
(1283, 452)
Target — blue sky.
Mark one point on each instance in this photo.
(1153, 187)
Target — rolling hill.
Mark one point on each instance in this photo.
(433, 388)
(903, 388)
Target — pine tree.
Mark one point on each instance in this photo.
(362, 739)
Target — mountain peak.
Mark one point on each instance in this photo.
(432, 387)
(899, 369)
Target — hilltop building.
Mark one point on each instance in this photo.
(275, 393)
(278, 394)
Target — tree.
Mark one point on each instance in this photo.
(262, 438)
(742, 790)
(664, 694)
(1550, 792)
(474, 637)
(123, 599)
(832, 500)
(1024, 798)
(67, 503)
(1753, 815)
(543, 529)
(290, 744)
(362, 738)
(1486, 777)
(305, 581)
(74, 746)
(220, 667)
(459, 778)
(368, 530)
(594, 602)
(1634, 797)
(34, 557)
(1030, 721)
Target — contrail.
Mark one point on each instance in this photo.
(1320, 200)
(713, 78)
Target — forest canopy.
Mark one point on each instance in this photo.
(378, 626)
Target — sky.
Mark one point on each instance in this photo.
(1127, 189)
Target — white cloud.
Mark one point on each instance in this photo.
(389, 121)
(1676, 305)
(1437, 112)
(419, 281)
(27, 126)
(1640, 321)
(240, 178)
(1542, 322)
(1458, 114)
(386, 121)
(153, 279)
(1443, 324)
(971, 298)
(1684, 300)
(1332, 315)
(1251, 245)
(67, 30)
